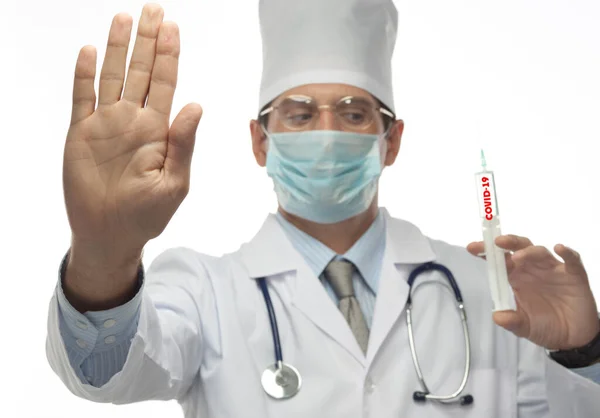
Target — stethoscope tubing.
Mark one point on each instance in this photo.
(413, 352)
(418, 396)
(463, 317)
(262, 283)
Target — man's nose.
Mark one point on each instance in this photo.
(327, 121)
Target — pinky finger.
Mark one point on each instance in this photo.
(84, 95)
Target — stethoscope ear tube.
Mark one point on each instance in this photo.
(434, 266)
(425, 394)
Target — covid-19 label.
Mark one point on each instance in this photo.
(486, 193)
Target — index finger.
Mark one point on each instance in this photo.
(513, 242)
(571, 258)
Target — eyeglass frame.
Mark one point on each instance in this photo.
(377, 107)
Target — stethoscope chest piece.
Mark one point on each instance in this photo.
(281, 381)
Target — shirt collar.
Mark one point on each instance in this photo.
(316, 254)
(404, 244)
(366, 253)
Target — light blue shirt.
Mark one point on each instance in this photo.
(366, 254)
(97, 343)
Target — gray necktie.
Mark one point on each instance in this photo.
(339, 274)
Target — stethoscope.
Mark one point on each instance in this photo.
(425, 394)
(282, 380)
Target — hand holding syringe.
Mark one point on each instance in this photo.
(501, 291)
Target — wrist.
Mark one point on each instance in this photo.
(584, 356)
(105, 257)
(95, 283)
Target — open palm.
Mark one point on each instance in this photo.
(125, 170)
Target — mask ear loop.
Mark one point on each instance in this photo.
(265, 136)
(264, 130)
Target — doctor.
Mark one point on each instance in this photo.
(333, 266)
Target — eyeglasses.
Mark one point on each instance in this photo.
(300, 112)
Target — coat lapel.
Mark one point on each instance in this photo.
(391, 300)
(406, 248)
(270, 253)
(311, 298)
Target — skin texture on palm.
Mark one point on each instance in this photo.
(125, 170)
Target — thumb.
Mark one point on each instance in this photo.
(180, 146)
(512, 321)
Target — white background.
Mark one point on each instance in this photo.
(520, 78)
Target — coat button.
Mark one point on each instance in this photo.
(370, 386)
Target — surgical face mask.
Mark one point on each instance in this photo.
(324, 176)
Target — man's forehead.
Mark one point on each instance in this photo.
(326, 91)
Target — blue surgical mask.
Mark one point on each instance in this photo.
(324, 176)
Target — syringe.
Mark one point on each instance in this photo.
(501, 291)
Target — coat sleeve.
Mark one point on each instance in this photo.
(546, 389)
(570, 394)
(166, 351)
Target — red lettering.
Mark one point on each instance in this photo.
(487, 199)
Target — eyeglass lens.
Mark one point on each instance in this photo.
(299, 113)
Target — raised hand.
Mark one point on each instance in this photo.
(125, 170)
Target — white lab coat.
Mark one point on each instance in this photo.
(204, 339)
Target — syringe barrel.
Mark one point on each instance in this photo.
(500, 289)
(486, 195)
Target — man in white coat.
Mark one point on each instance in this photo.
(335, 266)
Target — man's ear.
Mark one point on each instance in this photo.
(258, 142)
(394, 139)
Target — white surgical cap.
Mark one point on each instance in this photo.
(327, 41)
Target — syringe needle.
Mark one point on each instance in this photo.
(483, 163)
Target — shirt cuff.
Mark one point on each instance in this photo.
(100, 328)
(591, 372)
